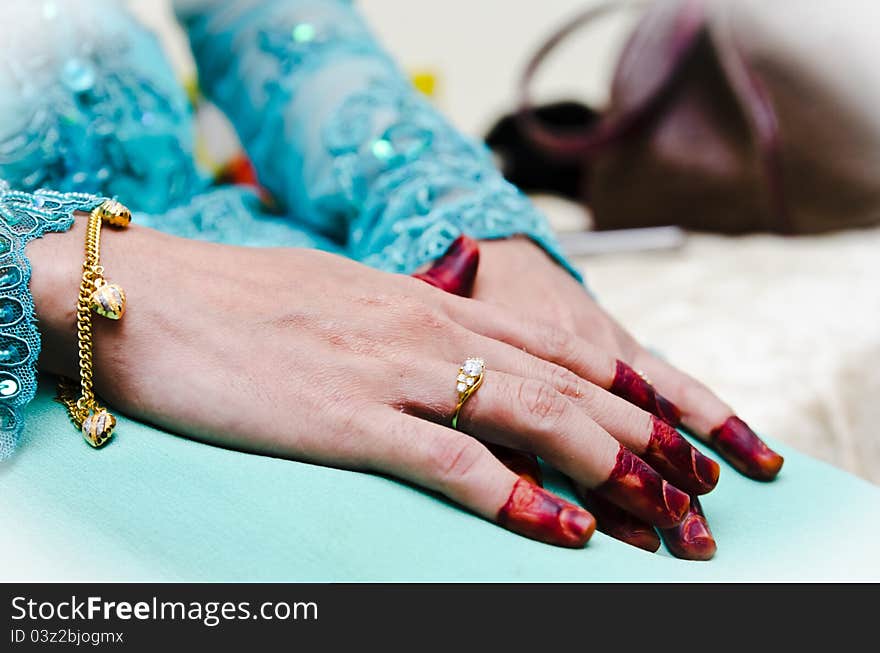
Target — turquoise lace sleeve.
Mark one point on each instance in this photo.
(23, 217)
(89, 103)
(341, 138)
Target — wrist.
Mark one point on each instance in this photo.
(516, 255)
(56, 270)
(56, 275)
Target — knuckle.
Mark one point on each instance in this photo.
(541, 401)
(558, 342)
(422, 318)
(690, 391)
(605, 408)
(566, 382)
(431, 319)
(694, 391)
(589, 399)
(452, 458)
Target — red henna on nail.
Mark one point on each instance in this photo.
(691, 539)
(456, 270)
(743, 449)
(637, 488)
(535, 513)
(519, 462)
(629, 385)
(618, 523)
(673, 456)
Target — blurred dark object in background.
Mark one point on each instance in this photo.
(531, 167)
(723, 117)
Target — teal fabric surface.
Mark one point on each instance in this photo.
(154, 506)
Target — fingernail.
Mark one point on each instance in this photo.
(619, 524)
(706, 469)
(577, 523)
(637, 488)
(535, 513)
(456, 270)
(629, 384)
(695, 530)
(691, 539)
(743, 449)
(676, 501)
(673, 456)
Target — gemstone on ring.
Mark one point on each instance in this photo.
(469, 374)
(473, 366)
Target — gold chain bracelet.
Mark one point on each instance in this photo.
(94, 421)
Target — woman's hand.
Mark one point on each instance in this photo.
(305, 355)
(516, 273)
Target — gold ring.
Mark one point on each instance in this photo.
(470, 377)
